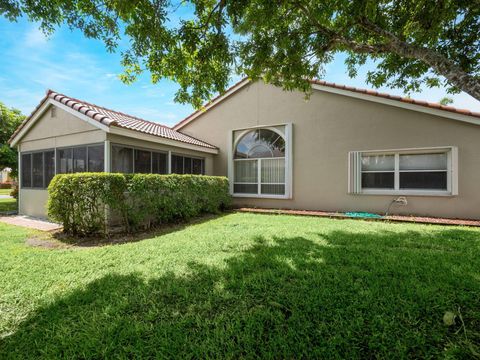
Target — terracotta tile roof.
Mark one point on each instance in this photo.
(432, 105)
(110, 118)
(398, 98)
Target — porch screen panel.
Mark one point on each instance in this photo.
(177, 164)
(49, 166)
(197, 166)
(159, 163)
(187, 165)
(26, 170)
(37, 170)
(122, 159)
(79, 159)
(143, 162)
(96, 158)
(64, 161)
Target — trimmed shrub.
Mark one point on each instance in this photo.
(83, 202)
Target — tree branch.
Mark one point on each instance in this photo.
(440, 64)
(454, 74)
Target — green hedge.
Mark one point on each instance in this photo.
(86, 203)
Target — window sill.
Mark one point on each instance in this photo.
(261, 196)
(408, 193)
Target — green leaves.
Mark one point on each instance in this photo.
(200, 44)
(89, 203)
(10, 119)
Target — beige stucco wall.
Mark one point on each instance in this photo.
(62, 130)
(33, 202)
(325, 128)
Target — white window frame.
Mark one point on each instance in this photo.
(287, 135)
(355, 172)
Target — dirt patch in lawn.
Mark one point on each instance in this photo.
(46, 241)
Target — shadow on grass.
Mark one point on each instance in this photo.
(8, 206)
(334, 295)
(123, 238)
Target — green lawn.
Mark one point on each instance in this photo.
(246, 286)
(5, 191)
(8, 205)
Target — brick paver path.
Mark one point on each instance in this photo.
(29, 222)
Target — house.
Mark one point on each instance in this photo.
(5, 177)
(343, 149)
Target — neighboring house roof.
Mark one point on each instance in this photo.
(111, 118)
(372, 95)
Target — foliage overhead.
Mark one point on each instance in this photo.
(414, 42)
(10, 119)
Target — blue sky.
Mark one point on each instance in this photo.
(82, 68)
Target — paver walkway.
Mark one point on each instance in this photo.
(396, 218)
(30, 222)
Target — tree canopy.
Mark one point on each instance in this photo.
(10, 119)
(285, 42)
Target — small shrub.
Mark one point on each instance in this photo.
(83, 202)
(14, 191)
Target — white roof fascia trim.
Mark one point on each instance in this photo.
(210, 105)
(161, 140)
(79, 115)
(400, 104)
(41, 110)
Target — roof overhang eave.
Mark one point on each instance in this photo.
(161, 140)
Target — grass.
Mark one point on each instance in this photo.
(246, 286)
(5, 191)
(7, 205)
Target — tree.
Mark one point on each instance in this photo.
(10, 119)
(446, 101)
(285, 42)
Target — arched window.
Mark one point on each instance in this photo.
(259, 162)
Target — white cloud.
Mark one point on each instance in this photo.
(35, 38)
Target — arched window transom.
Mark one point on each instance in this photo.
(260, 143)
(259, 162)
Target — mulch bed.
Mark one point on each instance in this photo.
(395, 218)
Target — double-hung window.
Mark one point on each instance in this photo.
(260, 162)
(429, 171)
